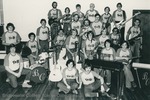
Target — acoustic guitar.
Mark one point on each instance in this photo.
(55, 71)
(92, 52)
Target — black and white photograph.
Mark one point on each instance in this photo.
(74, 50)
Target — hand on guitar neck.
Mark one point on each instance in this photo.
(123, 22)
(126, 60)
(93, 52)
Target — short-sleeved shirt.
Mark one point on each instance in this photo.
(102, 40)
(76, 25)
(43, 33)
(91, 15)
(115, 38)
(119, 15)
(60, 40)
(70, 74)
(88, 78)
(81, 15)
(71, 42)
(122, 53)
(90, 45)
(108, 54)
(32, 45)
(97, 26)
(11, 38)
(13, 61)
(134, 31)
(106, 18)
(55, 13)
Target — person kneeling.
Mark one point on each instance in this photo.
(14, 67)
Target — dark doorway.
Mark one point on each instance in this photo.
(145, 26)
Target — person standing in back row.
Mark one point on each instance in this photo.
(119, 16)
(43, 36)
(54, 14)
(78, 11)
(90, 14)
(10, 37)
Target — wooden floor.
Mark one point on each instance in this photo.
(46, 91)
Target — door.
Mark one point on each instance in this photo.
(145, 26)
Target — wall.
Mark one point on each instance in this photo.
(26, 14)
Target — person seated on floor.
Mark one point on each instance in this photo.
(70, 78)
(87, 77)
(14, 67)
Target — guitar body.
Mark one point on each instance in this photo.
(133, 40)
(52, 20)
(122, 22)
(55, 74)
(55, 71)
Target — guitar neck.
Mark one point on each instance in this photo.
(130, 18)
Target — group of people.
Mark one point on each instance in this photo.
(88, 36)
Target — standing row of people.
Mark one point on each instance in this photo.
(89, 36)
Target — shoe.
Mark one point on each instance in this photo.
(8, 80)
(75, 92)
(130, 88)
(113, 97)
(26, 85)
(105, 94)
(108, 84)
(107, 89)
(133, 84)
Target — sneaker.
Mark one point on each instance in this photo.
(108, 84)
(8, 80)
(105, 94)
(133, 84)
(59, 90)
(131, 88)
(113, 97)
(26, 85)
(107, 89)
(75, 92)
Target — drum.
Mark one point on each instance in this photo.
(38, 74)
(26, 63)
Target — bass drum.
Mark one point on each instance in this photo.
(38, 74)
